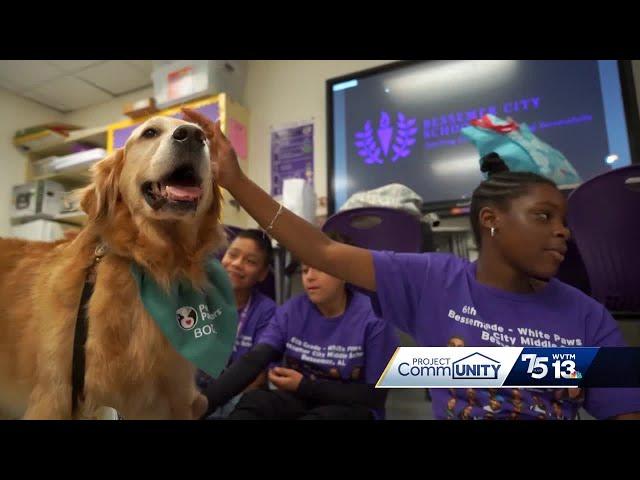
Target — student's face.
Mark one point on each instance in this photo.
(245, 263)
(455, 342)
(320, 287)
(531, 233)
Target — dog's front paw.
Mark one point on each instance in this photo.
(199, 406)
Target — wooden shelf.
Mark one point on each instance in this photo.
(70, 179)
(96, 137)
(79, 218)
(73, 219)
(73, 176)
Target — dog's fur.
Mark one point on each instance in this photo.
(130, 365)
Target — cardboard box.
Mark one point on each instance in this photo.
(181, 81)
(41, 198)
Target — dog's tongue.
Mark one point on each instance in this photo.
(185, 194)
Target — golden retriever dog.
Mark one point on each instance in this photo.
(153, 202)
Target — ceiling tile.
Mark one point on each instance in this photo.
(72, 66)
(116, 76)
(26, 74)
(69, 93)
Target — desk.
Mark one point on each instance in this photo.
(633, 183)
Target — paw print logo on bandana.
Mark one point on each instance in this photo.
(186, 318)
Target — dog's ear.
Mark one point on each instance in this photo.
(98, 199)
(216, 202)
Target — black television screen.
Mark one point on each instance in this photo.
(411, 114)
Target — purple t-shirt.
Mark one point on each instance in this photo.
(260, 311)
(258, 314)
(354, 347)
(436, 298)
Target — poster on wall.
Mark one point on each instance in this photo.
(291, 154)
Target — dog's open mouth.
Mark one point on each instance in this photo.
(181, 189)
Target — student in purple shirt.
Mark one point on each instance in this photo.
(247, 261)
(332, 349)
(508, 297)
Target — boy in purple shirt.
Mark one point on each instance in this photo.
(246, 261)
(507, 297)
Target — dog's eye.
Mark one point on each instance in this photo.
(150, 133)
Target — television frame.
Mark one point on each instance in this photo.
(460, 206)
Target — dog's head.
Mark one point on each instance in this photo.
(163, 173)
(156, 200)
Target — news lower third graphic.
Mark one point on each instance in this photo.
(485, 367)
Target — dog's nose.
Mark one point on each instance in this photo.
(188, 134)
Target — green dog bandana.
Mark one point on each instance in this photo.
(200, 326)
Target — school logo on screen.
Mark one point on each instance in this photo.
(388, 141)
